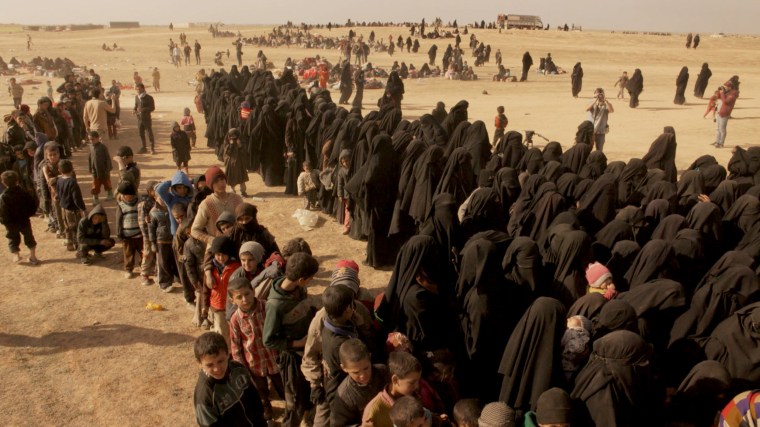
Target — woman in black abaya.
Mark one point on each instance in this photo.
(270, 135)
(531, 360)
(614, 385)
(702, 79)
(427, 172)
(572, 256)
(576, 79)
(346, 86)
(681, 81)
(735, 343)
(402, 224)
(479, 146)
(457, 178)
(653, 262)
(701, 395)
(662, 154)
(635, 86)
(369, 188)
(457, 114)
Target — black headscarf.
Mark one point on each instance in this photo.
(662, 155)
(616, 315)
(669, 227)
(623, 254)
(597, 206)
(457, 178)
(511, 149)
(606, 238)
(483, 213)
(735, 343)
(701, 395)
(574, 158)
(595, 166)
(552, 151)
(573, 254)
(651, 263)
(507, 187)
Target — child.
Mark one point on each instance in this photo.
(178, 190)
(344, 175)
(339, 305)
(99, 161)
(286, 326)
(234, 164)
(160, 234)
(575, 346)
(180, 148)
(466, 413)
(148, 262)
(128, 227)
(193, 259)
(622, 81)
(712, 105)
(247, 344)
(48, 168)
(23, 166)
(16, 207)
(225, 263)
(188, 126)
(179, 212)
(500, 122)
(408, 412)
(405, 371)
(224, 393)
(363, 382)
(94, 234)
(72, 205)
(600, 281)
(251, 255)
(111, 121)
(307, 186)
(128, 170)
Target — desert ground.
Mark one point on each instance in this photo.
(78, 347)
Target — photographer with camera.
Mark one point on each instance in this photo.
(727, 95)
(599, 111)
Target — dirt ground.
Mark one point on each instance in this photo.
(78, 347)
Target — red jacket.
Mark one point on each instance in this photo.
(728, 99)
(219, 289)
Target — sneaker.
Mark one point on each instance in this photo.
(206, 325)
(146, 281)
(168, 289)
(34, 261)
(128, 275)
(86, 260)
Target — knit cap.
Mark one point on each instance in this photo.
(253, 248)
(223, 245)
(554, 407)
(212, 174)
(348, 263)
(225, 217)
(346, 276)
(597, 274)
(497, 414)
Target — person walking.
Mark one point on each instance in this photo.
(727, 96)
(144, 107)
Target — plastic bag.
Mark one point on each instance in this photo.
(154, 306)
(307, 219)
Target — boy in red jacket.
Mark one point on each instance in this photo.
(225, 263)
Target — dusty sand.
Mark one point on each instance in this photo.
(77, 346)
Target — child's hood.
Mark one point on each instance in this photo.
(180, 178)
(97, 210)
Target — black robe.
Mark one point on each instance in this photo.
(654, 261)
(457, 178)
(531, 360)
(681, 81)
(702, 79)
(270, 134)
(635, 86)
(576, 79)
(346, 86)
(662, 155)
(527, 62)
(735, 343)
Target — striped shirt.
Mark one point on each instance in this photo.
(204, 224)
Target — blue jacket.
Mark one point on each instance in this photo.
(165, 192)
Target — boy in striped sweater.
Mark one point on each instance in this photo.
(128, 227)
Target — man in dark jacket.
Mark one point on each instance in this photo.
(144, 106)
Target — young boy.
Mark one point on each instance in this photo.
(179, 212)
(23, 166)
(128, 227)
(622, 81)
(405, 371)
(308, 182)
(225, 263)
(188, 125)
(344, 175)
(500, 122)
(146, 204)
(111, 121)
(72, 205)
(408, 412)
(48, 168)
(178, 190)
(363, 382)
(193, 254)
(224, 394)
(285, 329)
(94, 234)
(16, 207)
(247, 343)
(321, 364)
(466, 413)
(99, 161)
(160, 234)
(128, 170)
(251, 255)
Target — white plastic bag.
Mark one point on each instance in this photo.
(307, 219)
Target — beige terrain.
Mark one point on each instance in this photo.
(78, 347)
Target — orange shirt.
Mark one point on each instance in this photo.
(219, 291)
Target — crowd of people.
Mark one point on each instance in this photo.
(529, 286)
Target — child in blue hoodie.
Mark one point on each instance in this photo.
(178, 190)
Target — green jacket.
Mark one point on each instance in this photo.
(288, 316)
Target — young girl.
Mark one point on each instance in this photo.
(180, 148)
(188, 125)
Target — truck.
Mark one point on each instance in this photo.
(526, 22)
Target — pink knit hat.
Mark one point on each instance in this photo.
(597, 274)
